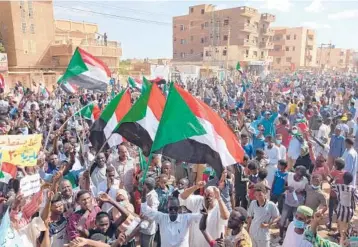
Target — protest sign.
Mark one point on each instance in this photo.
(20, 150)
(30, 184)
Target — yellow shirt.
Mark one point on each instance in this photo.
(292, 109)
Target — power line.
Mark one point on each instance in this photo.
(127, 9)
(125, 18)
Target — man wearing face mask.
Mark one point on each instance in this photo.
(174, 227)
(294, 235)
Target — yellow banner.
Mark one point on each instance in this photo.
(20, 150)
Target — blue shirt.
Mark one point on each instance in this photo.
(279, 186)
(269, 125)
(282, 107)
(249, 150)
(336, 146)
(257, 143)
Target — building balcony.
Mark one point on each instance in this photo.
(268, 17)
(97, 48)
(248, 12)
(266, 45)
(250, 28)
(279, 53)
(310, 33)
(267, 32)
(247, 42)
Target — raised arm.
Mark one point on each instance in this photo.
(104, 197)
(224, 212)
(191, 190)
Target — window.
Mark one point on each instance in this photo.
(288, 59)
(182, 27)
(293, 48)
(288, 37)
(182, 55)
(287, 48)
(191, 51)
(224, 52)
(23, 27)
(206, 24)
(225, 38)
(248, 21)
(248, 36)
(201, 54)
(191, 23)
(278, 60)
(207, 54)
(191, 10)
(255, 53)
(32, 28)
(226, 22)
(191, 38)
(262, 54)
(183, 41)
(202, 40)
(247, 52)
(31, 11)
(202, 11)
(294, 37)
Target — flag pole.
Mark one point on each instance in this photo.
(52, 120)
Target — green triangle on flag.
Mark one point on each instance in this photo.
(142, 161)
(2, 175)
(238, 67)
(75, 67)
(89, 112)
(177, 123)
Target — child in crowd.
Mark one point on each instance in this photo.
(282, 149)
(278, 185)
(347, 199)
(336, 177)
(253, 167)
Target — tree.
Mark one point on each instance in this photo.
(124, 67)
(2, 48)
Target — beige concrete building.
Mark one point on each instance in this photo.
(293, 48)
(39, 48)
(222, 37)
(337, 59)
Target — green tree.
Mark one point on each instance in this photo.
(124, 67)
(2, 48)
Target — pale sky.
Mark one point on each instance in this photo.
(144, 27)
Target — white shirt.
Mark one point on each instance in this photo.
(172, 234)
(98, 175)
(31, 232)
(282, 150)
(153, 203)
(102, 188)
(273, 154)
(293, 239)
(28, 106)
(125, 171)
(195, 203)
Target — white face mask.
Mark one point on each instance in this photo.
(294, 131)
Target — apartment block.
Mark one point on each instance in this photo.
(222, 37)
(39, 47)
(293, 48)
(337, 59)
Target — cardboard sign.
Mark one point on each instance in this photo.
(30, 184)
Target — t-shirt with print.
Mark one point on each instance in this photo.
(58, 232)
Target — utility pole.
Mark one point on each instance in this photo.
(227, 51)
(330, 46)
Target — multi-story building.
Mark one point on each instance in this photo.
(222, 37)
(331, 58)
(293, 48)
(38, 47)
(337, 59)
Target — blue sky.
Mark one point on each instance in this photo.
(334, 21)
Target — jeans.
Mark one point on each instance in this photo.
(279, 199)
(146, 240)
(287, 212)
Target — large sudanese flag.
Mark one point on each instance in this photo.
(102, 129)
(86, 71)
(191, 131)
(140, 124)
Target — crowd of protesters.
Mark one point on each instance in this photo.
(299, 134)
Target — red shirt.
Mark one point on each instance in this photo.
(286, 137)
(338, 177)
